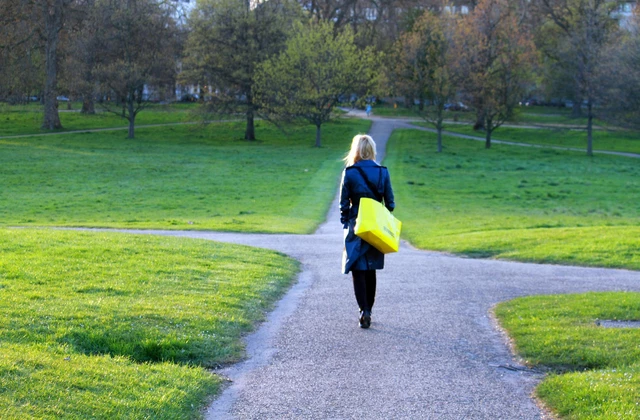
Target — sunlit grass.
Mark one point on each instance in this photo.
(595, 370)
(122, 326)
(516, 203)
(176, 177)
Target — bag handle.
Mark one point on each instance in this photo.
(374, 188)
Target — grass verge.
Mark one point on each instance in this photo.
(595, 370)
(122, 326)
(176, 178)
(516, 203)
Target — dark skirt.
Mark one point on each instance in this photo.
(358, 254)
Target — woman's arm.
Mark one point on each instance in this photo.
(345, 203)
(389, 201)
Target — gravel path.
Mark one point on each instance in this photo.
(433, 351)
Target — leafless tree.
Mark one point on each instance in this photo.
(135, 49)
(79, 51)
(421, 65)
(42, 19)
(494, 57)
(21, 62)
(228, 40)
(620, 77)
(580, 33)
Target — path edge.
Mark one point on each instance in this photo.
(259, 348)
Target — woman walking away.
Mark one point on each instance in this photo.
(362, 177)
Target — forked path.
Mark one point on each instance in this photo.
(432, 352)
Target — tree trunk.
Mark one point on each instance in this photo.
(88, 107)
(488, 130)
(69, 105)
(439, 129)
(589, 128)
(576, 110)
(408, 102)
(132, 119)
(479, 125)
(250, 131)
(317, 135)
(53, 22)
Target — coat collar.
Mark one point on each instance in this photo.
(367, 162)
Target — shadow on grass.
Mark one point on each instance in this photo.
(146, 341)
(132, 344)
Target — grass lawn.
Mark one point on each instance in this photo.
(596, 370)
(108, 325)
(522, 115)
(516, 203)
(27, 119)
(618, 141)
(547, 115)
(179, 177)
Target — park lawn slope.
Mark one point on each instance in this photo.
(599, 246)
(179, 177)
(595, 371)
(610, 140)
(516, 203)
(124, 325)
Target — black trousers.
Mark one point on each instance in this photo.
(364, 286)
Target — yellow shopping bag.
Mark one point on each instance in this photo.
(376, 225)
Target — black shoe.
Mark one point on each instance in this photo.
(365, 319)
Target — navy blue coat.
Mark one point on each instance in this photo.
(358, 254)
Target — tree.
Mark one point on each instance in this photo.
(315, 71)
(421, 66)
(80, 55)
(375, 23)
(136, 52)
(494, 61)
(621, 77)
(228, 39)
(21, 62)
(580, 31)
(42, 19)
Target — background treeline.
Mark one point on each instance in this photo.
(299, 59)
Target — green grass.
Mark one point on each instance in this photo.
(178, 177)
(522, 115)
(618, 140)
(27, 119)
(595, 370)
(516, 203)
(600, 246)
(108, 325)
(547, 115)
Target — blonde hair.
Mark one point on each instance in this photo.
(362, 148)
